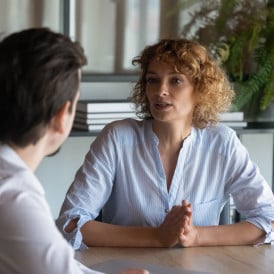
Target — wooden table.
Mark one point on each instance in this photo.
(217, 260)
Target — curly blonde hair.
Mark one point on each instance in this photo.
(211, 86)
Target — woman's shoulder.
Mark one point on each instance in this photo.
(126, 124)
(218, 132)
(124, 128)
(221, 129)
(219, 138)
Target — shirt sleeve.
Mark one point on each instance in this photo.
(30, 232)
(252, 195)
(91, 187)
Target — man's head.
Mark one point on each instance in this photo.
(39, 74)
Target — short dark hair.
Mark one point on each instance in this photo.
(39, 72)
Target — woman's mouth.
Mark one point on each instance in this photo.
(161, 106)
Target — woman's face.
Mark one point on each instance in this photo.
(170, 94)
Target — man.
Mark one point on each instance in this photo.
(39, 87)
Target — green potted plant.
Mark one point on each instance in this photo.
(240, 34)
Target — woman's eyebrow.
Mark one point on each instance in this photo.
(170, 73)
(151, 72)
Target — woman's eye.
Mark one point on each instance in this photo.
(176, 81)
(151, 80)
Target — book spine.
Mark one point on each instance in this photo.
(105, 107)
(105, 115)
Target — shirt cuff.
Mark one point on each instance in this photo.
(267, 227)
(269, 238)
(75, 236)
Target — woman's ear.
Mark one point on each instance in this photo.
(60, 121)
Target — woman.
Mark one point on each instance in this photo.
(164, 180)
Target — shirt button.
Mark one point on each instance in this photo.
(166, 210)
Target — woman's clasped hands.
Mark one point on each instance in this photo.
(178, 227)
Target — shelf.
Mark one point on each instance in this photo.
(107, 77)
(257, 127)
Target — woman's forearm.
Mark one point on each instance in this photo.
(102, 234)
(243, 233)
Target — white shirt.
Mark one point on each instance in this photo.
(123, 175)
(30, 243)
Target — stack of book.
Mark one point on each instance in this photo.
(233, 119)
(94, 115)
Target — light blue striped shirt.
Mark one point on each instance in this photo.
(123, 175)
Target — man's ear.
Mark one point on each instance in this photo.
(60, 120)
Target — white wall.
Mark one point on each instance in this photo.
(260, 148)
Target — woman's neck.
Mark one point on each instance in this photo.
(171, 134)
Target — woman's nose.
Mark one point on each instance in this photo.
(163, 88)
